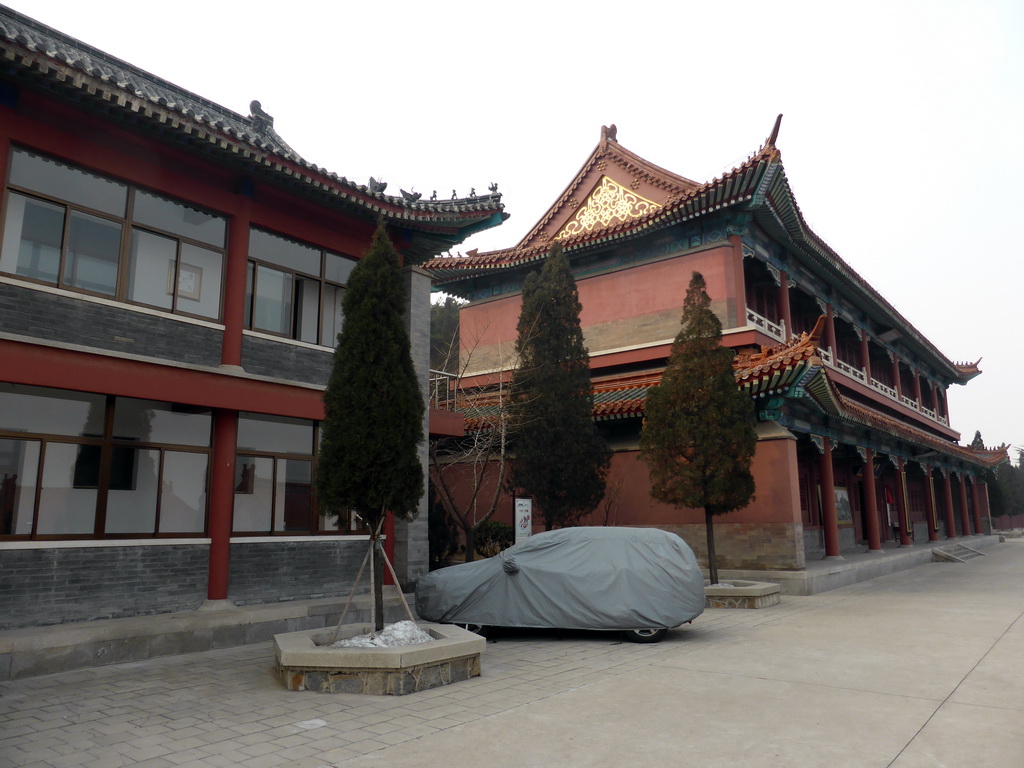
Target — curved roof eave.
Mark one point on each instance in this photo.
(65, 66)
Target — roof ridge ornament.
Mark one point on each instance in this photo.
(609, 133)
(774, 135)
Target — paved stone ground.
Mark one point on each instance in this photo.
(918, 669)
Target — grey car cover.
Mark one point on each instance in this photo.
(572, 578)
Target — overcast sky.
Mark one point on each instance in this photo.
(902, 135)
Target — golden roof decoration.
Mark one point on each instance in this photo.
(609, 202)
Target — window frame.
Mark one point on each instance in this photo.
(297, 276)
(128, 225)
(108, 444)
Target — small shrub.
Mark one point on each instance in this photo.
(492, 537)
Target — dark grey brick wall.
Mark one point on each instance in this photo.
(294, 570)
(75, 321)
(286, 361)
(54, 586)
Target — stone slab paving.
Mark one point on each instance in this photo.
(918, 669)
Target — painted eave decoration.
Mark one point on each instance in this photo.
(41, 56)
(769, 377)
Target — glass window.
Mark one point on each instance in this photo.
(179, 269)
(330, 322)
(41, 410)
(199, 279)
(294, 495)
(19, 467)
(179, 219)
(301, 303)
(272, 306)
(55, 179)
(32, 238)
(275, 434)
(131, 500)
(263, 246)
(254, 484)
(93, 248)
(151, 421)
(183, 492)
(100, 479)
(64, 508)
(307, 302)
(338, 268)
(151, 269)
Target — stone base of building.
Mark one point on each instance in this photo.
(747, 546)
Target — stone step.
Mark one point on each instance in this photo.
(956, 554)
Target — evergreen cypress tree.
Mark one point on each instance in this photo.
(698, 439)
(560, 459)
(369, 461)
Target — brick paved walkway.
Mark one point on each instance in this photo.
(911, 643)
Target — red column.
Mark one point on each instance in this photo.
(985, 501)
(871, 502)
(225, 438)
(828, 502)
(950, 520)
(933, 523)
(896, 383)
(965, 515)
(830, 331)
(735, 283)
(976, 503)
(865, 355)
(901, 504)
(784, 307)
(234, 284)
(917, 387)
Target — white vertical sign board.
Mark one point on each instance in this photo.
(524, 519)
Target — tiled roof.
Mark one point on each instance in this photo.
(686, 200)
(33, 52)
(759, 185)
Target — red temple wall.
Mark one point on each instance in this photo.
(633, 306)
(766, 534)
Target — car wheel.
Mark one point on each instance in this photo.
(476, 628)
(644, 635)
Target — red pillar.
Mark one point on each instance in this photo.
(871, 502)
(828, 502)
(965, 515)
(784, 307)
(933, 523)
(896, 383)
(225, 438)
(234, 282)
(984, 500)
(830, 331)
(950, 520)
(976, 503)
(901, 504)
(865, 355)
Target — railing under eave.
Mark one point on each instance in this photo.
(778, 332)
(442, 391)
(859, 374)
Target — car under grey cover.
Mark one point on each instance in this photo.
(572, 578)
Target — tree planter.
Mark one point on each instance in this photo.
(306, 661)
(741, 594)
